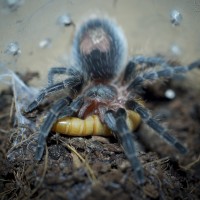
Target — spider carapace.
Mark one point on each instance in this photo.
(103, 90)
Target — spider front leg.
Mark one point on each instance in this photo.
(151, 122)
(59, 109)
(46, 127)
(117, 123)
(73, 83)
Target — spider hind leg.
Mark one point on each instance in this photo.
(152, 123)
(166, 71)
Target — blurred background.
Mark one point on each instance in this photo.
(43, 42)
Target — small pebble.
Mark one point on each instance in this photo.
(175, 17)
(170, 94)
(13, 49)
(175, 49)
(13, 4)
(46, 43)
(64, 20)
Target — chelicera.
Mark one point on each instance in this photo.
(103, 90)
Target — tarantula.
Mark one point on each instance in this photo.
(100, 83)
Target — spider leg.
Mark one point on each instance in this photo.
(46, 126)
(73, 108)
(130, 69)
(60, 70)
(72, 83)
(166, 71)
(110, 120)
(156, 60)
(53, 71)
(117, 123)
(151, 122)
(55, 113)
(194, 65)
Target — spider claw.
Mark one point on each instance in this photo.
(183, 150)
(140, 176)
(39, 152)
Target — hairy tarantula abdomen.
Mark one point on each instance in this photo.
(100, 48)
